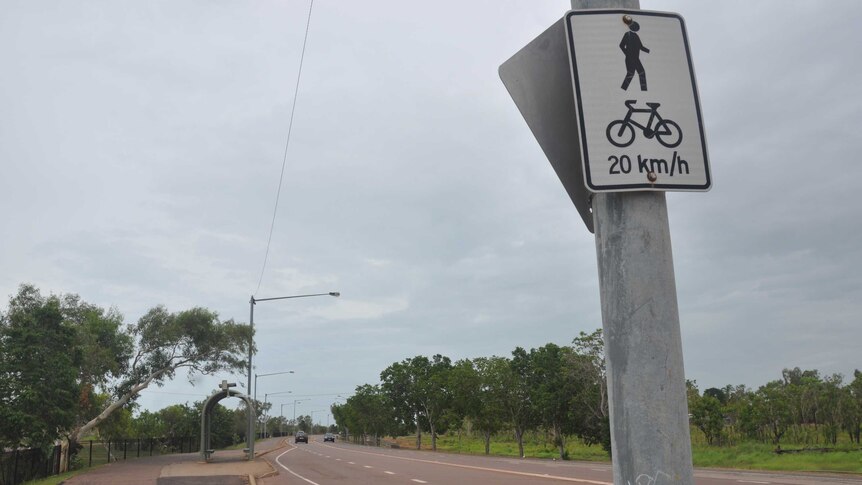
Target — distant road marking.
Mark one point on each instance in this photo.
(472, 467)
(291, 471)
(350, 462)
(338, 459)
(368, 466)
(417, 480)
(750, 481)
(389, 473)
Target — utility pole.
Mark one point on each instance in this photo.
(251, 428)
(569, 93)
(640, 319)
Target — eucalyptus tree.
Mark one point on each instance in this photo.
(165, 343)
(772, 409)
(345, 418)
(398, 384)
(853, 406)
(463, 388)
(516, 395)
(38, 371)
(485, 407)
(432, 391)
(830, 407)
(418, 389)
(553, 390)
(707, 416)
(588, 366)
(371, 411)
(97, 364)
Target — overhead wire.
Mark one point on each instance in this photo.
(286, 146)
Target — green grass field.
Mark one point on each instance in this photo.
(748, 456)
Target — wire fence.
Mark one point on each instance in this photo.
(18, 466)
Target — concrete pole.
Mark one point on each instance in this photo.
(640, 318)
(252, 413)
(650, 438)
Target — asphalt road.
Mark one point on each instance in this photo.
(319, 463)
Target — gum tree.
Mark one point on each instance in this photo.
(165, 343)
(38, 362)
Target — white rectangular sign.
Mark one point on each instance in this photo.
(638, 110)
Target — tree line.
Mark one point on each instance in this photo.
(561, 391)
(228, 426)
(802, 407)
(67, 366)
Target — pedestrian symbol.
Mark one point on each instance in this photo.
(632, 46)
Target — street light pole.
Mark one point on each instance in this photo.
(252, 415)
(265, 401)
(294, 414)
(281, 414)
(264, 375)
(255, 386)
(312, 418)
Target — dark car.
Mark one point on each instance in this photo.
(329, 437)
(300, 436)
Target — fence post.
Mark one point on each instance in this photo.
(109, 451)
(15, 468)
(151, 446)
(139, 447)
(125, 445)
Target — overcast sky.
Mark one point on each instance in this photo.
(141, 145)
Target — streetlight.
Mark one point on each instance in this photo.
(312, 418)
(265, 400)
(251, 302)
(281, 414)
(294, 413)
(255, 386)
(264, 375)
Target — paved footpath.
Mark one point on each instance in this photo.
(226, 468)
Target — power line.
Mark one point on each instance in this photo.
(286, 145)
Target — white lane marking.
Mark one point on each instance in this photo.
(338, 459)
(750, 481)
(328, 456)
(297, 475)
(352, 463)
(388, 473)
(368, 466)
(481, 468)
(417, 480)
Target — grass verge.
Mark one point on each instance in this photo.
(57, 479)
(746, 456)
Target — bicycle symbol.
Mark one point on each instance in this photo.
(621, 133)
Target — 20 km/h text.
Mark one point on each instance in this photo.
(623, 164)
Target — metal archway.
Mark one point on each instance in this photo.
(206, 418)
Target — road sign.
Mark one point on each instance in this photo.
(540, 82)
(639, 119)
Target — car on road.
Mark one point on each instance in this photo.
(329, 437)
(300, 436)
